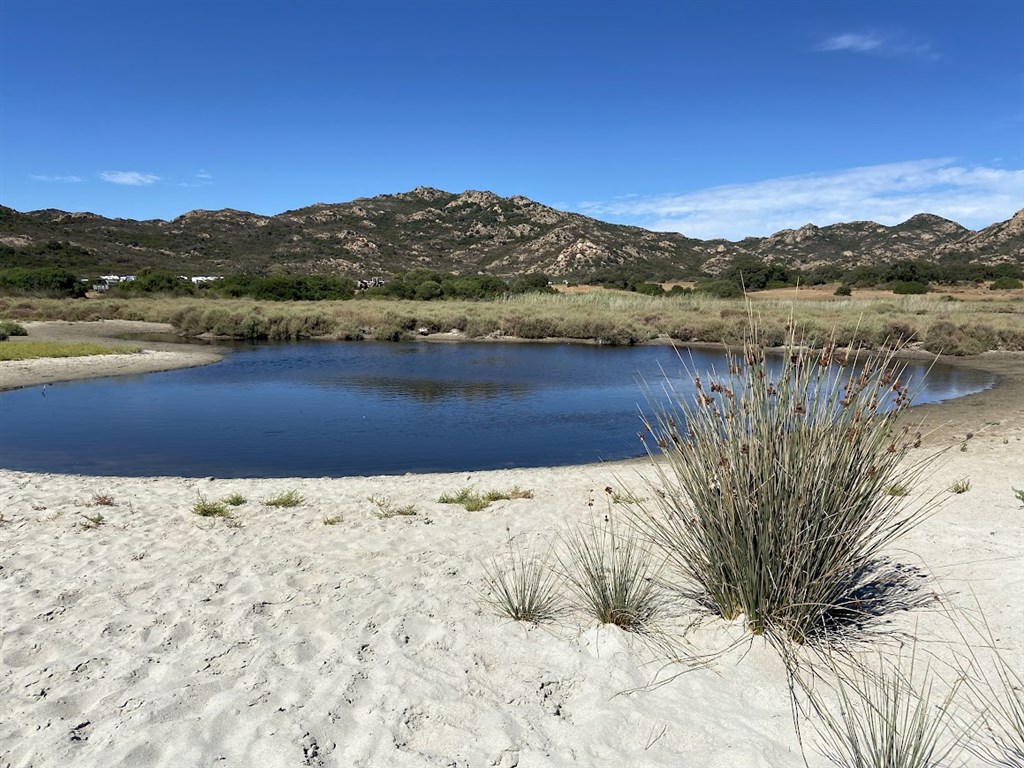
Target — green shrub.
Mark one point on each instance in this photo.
(10, 328)
(773, 501)
(42, 281)
(908, 287)
(1006, 283)
(843, 290)
(234, 500)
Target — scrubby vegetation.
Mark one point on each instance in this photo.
(41, 281)
(474, 501)
(9, 328)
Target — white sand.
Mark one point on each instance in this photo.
(164, 639)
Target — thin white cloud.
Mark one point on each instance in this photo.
(129, 178)
(61, 179)
(851, 42)
(201, 178)
(876, 44)
(889, 194)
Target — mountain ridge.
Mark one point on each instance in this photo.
(469, 232)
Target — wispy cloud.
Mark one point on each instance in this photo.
(61, 179)
(129, 178)
(200, 178)
(877, 44)
(974, 196)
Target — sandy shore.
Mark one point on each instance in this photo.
(159, 638)
(156, 356)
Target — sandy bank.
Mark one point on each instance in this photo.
(156, 356)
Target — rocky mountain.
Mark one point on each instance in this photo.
(466, 233)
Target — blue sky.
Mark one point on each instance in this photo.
(716, 119)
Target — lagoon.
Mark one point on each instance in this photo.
(334, 409)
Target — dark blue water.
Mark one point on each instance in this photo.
(332, 409)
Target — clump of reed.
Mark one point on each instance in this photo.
(522, 586)
(773, 500)
(895, 715)
(612, 576)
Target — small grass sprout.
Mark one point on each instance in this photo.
(386, 508)
(474, 502)
(522, 586)
(102, 500)
(234, 500)
(206, 508)
(963, 485)
(333, 519)
(1019, 495)
(92, 522)
(613, 578)
(287, 499)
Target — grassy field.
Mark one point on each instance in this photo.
(936, 323)
(30, 350)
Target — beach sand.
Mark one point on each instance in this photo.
(160, 638)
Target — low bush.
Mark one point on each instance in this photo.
(1005, 284)
(908, 287)
(10, 328)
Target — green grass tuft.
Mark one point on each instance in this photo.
(387, 508)
(234, 500)
(205, 508)
(287, 499)
(474, 502)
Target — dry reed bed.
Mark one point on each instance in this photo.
(608, 317)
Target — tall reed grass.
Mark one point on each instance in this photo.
(771, 500)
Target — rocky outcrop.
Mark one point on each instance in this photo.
(475, 231)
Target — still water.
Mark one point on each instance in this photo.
(332, 409)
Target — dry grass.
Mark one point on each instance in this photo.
(604, 316)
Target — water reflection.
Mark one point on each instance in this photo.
(428, 390)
